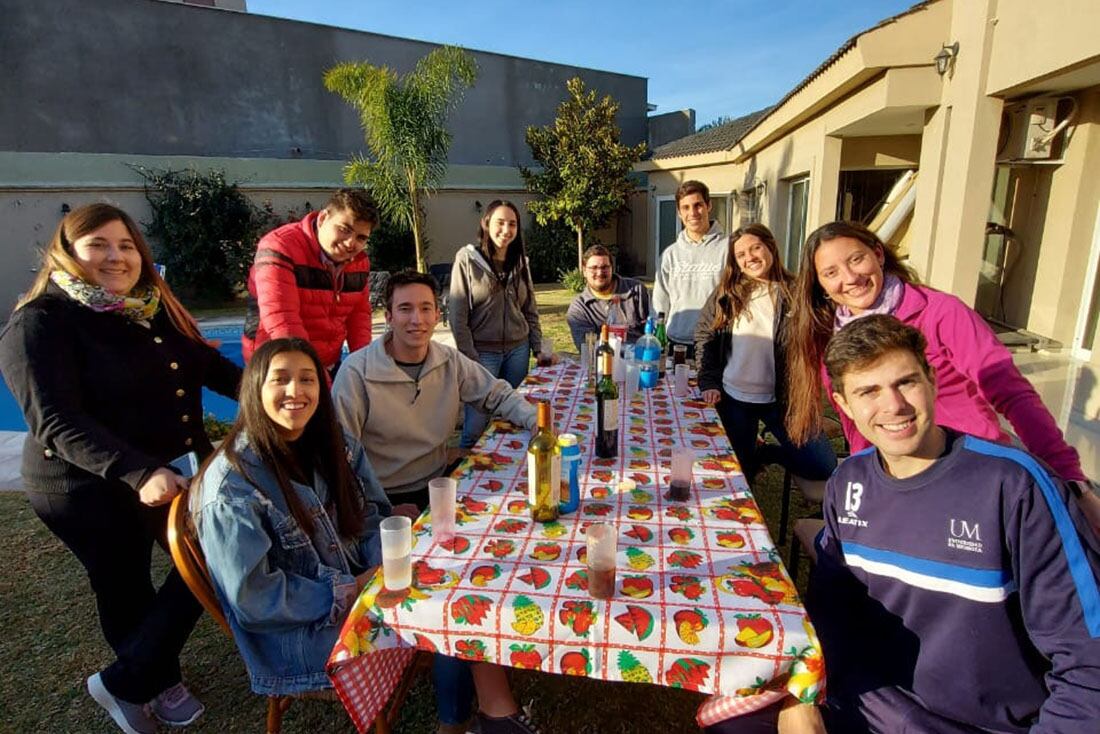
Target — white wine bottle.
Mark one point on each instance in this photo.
(544, 469)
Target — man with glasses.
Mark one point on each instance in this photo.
(309, 280)
(588, 311)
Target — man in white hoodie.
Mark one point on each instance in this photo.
(690, 266)
(400, 396)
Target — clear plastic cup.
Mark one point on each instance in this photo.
(683, 460)
(546, 353)
(441, 495)
(395, 532)
(603, 544)
(633, 374)
(680, 381)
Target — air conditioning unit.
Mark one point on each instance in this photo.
(1031, 130)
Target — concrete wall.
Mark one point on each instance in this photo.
(670, 126)
(155, 78)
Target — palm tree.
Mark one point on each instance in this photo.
(404, 121)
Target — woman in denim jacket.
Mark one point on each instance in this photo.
(287, 514)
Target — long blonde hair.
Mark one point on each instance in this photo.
(58, 255)
(735, 288)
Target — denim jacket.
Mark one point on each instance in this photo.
(285, 593)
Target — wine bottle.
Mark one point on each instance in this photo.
(607, 404)
(544, 469)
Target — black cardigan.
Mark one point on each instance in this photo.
(712, 349)
(105, 398)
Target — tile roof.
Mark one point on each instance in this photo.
(722, 137)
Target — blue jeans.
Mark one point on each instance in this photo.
(454, 689)
(814, 460)
(510, 366)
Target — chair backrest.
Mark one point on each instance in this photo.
(442, 273)
(187, 555)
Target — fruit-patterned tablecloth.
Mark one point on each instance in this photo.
(703, 601)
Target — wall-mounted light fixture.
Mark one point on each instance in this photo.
(65, 209)
(945, 59)
(477, 206)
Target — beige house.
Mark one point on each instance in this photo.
(966, 131)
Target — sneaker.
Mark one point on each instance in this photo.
(132, 718)
(176, 706)
(517, 723)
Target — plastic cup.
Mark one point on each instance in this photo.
(603, 543)
(680, 381)
(395, 532)
(683, 459)
(633, 374)
(441, 496)
(679, 354)
(546, 353)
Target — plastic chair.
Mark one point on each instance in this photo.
(186, 553)
(442, 273)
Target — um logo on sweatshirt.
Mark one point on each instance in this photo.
(964, 535)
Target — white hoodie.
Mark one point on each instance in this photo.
(687, 276)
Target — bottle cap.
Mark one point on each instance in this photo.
(567, 439)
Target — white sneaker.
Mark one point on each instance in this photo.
(176, 706)
(132, 718)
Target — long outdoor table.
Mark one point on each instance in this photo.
(703, 601)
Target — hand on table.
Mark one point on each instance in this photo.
(800, 718)
(161, 487)
(407, 509)
(553, 356)
(364, 578)
(711, 397)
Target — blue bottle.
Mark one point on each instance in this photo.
(647, 352)
(570, 467)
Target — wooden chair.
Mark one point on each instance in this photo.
(187, 555)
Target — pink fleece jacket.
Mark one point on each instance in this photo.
(976, 379)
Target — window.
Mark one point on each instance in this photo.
(797, 200)
(669, 224)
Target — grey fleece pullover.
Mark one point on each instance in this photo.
(688, 274)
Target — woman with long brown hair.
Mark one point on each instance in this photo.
(742, 351)
(847, 272)
(108, 368)
(493, 314)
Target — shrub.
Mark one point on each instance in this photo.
(216, 429)
(392, 248)
(572, 280)
(204, 231)
(550, 250)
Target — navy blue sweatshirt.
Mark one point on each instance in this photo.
(961, 599)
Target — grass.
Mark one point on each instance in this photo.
(51, 642)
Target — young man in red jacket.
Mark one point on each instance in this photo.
(309, 279)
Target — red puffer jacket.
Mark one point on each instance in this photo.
(294, 291)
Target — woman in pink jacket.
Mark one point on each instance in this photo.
(847, 272)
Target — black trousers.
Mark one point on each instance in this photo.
(112, 534)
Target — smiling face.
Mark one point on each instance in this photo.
(850, 272)
(502, 225)
(109, 257)
(597, 273)
(694, 212)
(753, 256)
(892, 402)
(341, 235)
(412, 317)
(290, 393)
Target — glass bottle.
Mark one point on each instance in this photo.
(544, 469)
(616, 319)
(607, 403)
(662, 337)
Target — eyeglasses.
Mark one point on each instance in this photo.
(599, 269)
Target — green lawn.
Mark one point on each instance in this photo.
(51, 642)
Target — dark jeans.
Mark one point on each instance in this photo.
(112, 534)
(815, 460)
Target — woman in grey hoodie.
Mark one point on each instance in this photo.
(492, 305)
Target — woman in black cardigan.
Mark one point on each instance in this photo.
(108, 368)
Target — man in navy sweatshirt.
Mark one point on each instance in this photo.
(956, 584)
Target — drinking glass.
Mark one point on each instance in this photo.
(633, 374)
(441, 496)
(603, 541)
(683, 459)
(680, 381)
(395, 532)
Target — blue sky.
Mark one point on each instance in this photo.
(722, 57)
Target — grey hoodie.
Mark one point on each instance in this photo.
(488, 315)
(688, 274)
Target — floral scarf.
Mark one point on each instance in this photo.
(141, 305)
(887, 302)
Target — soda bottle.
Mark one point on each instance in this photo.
(616, 319)
(647, 351)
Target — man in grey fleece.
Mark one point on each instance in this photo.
(400, 396)
(588, 311)
(690, 266)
